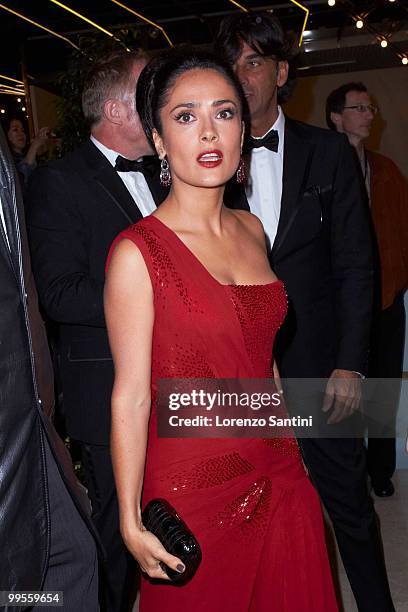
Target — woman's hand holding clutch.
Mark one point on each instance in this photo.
(150, 553)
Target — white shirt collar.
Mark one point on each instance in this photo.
(110, 154)
(279, 126)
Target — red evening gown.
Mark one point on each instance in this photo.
(249, 502)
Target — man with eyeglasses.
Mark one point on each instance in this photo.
(349, 110)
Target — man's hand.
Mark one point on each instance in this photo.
(343, 394)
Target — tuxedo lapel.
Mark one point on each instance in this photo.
(108, 180)
(116, 191)
(297, 158)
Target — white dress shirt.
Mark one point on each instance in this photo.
(264, 190)
(134, 182)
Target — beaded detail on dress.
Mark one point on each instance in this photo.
(165, 272)
(247, 514)
(180, 361)
(261, 310)
(210, 473)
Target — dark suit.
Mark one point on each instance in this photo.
(77, 206)
(37, 484)
(323, 253)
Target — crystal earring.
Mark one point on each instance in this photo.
(241, 172)
(165, 175)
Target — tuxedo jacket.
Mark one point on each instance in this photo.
(76, 207)
(26, 386)
(322, 252)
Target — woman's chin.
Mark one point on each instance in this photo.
(211, 181)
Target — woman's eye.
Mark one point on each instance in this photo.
(184, 117)
(226, 113)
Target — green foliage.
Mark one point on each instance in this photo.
(72, 127)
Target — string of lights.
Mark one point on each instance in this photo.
(360, 20)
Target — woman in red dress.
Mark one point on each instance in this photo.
(190, 294)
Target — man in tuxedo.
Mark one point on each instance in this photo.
(350, 111)
(46, 539)
(305, 187)
(77, 206)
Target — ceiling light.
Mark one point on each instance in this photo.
(359, 24)
(384, 43)
(331, 2)
(404, 60)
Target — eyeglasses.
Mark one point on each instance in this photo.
(362, 108)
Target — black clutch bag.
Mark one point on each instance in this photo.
(162, 520)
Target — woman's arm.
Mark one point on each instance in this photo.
(129, 317)
(38, 142)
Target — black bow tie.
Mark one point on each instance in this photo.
(129, 165)
(269, 141)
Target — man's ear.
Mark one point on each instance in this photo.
(112, 110)
(336, 118)
(158, 144)
(282, 73)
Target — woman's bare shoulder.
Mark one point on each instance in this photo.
(127, 263)
(251, 223)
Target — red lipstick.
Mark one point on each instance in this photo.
(210, 159)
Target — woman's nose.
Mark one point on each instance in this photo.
(209, 135)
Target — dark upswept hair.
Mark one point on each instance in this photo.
(264, 34)
(336, 100)
(109, 76)
(161, 73)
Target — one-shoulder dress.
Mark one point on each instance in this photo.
(248, 501)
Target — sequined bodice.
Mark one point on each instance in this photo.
(204, 329)
(261, 310)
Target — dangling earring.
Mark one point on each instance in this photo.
(165, 176)
(241, 172)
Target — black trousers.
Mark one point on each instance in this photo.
(337, 468)
(386, 362)
(73, 563)
(119, 575)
